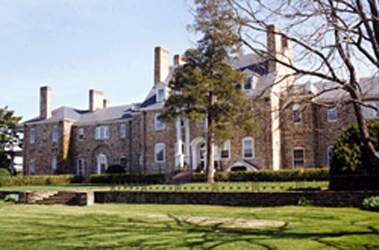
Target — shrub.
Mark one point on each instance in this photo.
(115, 169)
(37, 180)
(350, 165)
(4, 172)
(304, 202)
(371, 203)
(280, 175)
(202, 176)
(128, 178)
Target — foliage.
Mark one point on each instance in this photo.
(371, 203)
(350, 159)
(204, 88)
(12, 198)
(201, 176)
(8, 135)
(304, 202)
(37, 180)
(4, 172)
(115, 169)
(128, 178)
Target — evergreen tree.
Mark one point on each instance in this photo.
(206, 87)
(8, 136)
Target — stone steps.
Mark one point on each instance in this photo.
(57, 198)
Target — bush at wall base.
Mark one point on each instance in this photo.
(371, 203)
(350, 167)
(39, 180)
(128, 178)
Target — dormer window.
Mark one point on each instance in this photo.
(161, 95)
(250, 83)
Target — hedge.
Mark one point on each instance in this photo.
(128, 178)
(267, 175)
(38, 180)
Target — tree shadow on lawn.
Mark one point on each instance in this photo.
(113, 231)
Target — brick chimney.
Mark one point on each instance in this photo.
(45, 103)
(278, 47)
(161, 64)
(105, 103)
(95, 100)
(179, 60)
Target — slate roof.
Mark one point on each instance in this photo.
(110, 114)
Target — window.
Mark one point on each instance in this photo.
(122, 130)
(298, 158)
(159, 124)
(160, 95)
(296, 113)
(31, 167)
(332, 114)
(182, 122)
(32, 136)
(102, 132)
(248, 148)
(329, 155)
(225, 150)
(81, 134)
(55, 134)
(123, 162)
(249, 83)
(102, 163)
(54, 166)
(370, 112)
(159, 152)
(80, 167)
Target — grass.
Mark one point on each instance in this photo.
(122, 226)
(189, 187)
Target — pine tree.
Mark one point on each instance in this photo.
(206, 87)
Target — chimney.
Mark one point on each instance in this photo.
(278, 47)
(161, 64)
(95, 100)
(179, 60)
(105, 103)
(45, 103)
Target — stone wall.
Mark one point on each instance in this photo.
(256, 199)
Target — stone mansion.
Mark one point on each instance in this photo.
(291, 135)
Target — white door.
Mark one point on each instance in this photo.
(102, 163)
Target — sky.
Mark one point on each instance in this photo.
(77, 45)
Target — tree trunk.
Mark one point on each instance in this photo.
(210, 141)
(365, 135)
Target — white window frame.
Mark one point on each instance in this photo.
(160, 95)
(157, 149)
(54, 136)
(81, 134)
(101, 157)
(159, 125)
(332, 114)
(102, 132)
(122, 130)
(293, 157)
(80, 167)
(32, 170)
(296, 114)
(54, 166)
(32, 136)
(245, 140)
(329, 155)
(225, 148)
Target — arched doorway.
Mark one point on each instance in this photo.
(102, 163)
(199, 153)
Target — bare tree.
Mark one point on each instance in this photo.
(334, 40)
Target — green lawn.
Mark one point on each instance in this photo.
(124, 226)
(189, 187)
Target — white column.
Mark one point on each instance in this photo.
(179, 153)
(187, 157)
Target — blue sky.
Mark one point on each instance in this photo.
(77, 45)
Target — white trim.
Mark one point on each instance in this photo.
(225, 147)
(253, 148)
(32, 164)
(122, 130)
(80, 163)
(101, 159)
(328, 156)
(296, 108)
(157, 149)
(102, 132)
(54, 166)
(293, 156)
(80, 134)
